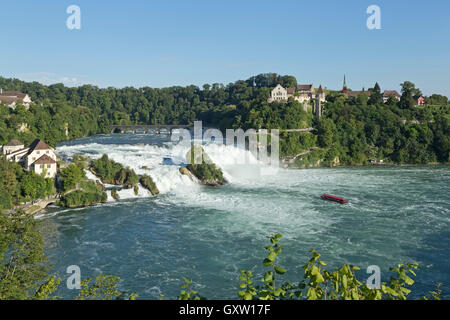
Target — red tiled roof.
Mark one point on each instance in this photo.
(45, 159)
(304, 87)
(13, 94)
(290, 90)
(8, 100)
(38, 144)
(14, 143)
(357, 93)
(388, 93)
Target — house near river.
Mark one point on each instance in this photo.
(38, 157)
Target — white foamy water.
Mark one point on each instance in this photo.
(148, 159)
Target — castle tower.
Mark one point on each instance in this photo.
(318, 103)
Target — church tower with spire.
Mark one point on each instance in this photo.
(344, 87)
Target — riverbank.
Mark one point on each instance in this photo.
(318, 158)
(293, 167)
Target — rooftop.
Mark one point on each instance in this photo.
(45, 159)
(38, 144)
(13, 94)
(14, 143)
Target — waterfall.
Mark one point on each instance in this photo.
(148, 159)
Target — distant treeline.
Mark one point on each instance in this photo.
(354, 129)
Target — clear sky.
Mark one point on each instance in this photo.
(182, 42)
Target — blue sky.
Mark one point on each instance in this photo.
(165, 43)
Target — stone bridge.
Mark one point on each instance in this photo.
(169, 127)
(146, 128)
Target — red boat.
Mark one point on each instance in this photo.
(334, 198)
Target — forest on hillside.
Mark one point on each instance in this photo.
(353, 129)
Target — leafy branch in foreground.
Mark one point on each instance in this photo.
(103, 288)
(187, 293)
(321, 284)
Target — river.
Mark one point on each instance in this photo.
(394, 215)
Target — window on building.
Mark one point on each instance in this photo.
(48, 166)
(42, 166)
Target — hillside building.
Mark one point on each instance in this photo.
(13, 98)
(301, 93)
(38, 157)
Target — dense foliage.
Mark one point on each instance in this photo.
(355, 131)
(207, 173)
(360, 128)
(71, 177)
(89, 194)
(18, 185)
(113, 172)
(60, 113)
(22, 259)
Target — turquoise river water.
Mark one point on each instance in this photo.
(394, 215)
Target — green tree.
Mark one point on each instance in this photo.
(376, 97)
(408, 92)
(71, 176)
(325, 131)
(22, 259)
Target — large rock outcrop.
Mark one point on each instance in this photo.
(201, 167)
(148, 183)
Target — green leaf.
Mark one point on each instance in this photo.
(272, 256)
(319, 278)
(268, 277)
(344, 281)
(248, 296)
(314, 270)
(280, 270)
(267, 262)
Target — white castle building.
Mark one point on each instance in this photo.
(301, 93)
